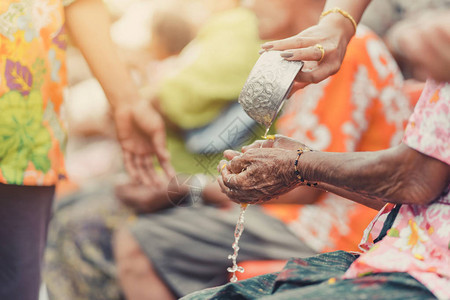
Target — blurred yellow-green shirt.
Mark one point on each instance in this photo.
(222, 55)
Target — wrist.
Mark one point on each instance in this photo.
(290, 174)
(343, 25)
(299, 169)
(125, 95)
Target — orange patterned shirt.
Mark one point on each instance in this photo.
(32, 78)
(360, 108)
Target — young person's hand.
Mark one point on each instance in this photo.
(139, 126)
(321, 47)
(141, 133)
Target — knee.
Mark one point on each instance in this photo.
(130, 259)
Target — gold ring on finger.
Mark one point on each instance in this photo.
(320, 47)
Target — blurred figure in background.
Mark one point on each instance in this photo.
(191, 90)
(396, 14)
(33, 136)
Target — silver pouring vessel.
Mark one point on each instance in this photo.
(267, 87)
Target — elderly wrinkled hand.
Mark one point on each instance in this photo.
(258, 174)
(276, 141)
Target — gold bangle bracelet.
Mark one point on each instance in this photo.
(342, 12)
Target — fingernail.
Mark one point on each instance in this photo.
(261, 51)
(286, 54)
(267, 46)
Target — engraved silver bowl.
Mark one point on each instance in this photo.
(267, 86)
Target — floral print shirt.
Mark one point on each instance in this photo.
(419, 239)
(32, 79)
(360, 108)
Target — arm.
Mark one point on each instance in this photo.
(140, 128)
(333, 33)
(396, 175)
(88, 23)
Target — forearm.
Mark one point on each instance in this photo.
(89, 24)
(299, 195)
(371, 202)
(396, 175)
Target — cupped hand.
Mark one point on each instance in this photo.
(334, 40)
(146, 199)
(141, 133)
(278, 141)
(257, 175)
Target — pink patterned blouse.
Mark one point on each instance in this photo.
(419, 240)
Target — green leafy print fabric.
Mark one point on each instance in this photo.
(23, 137)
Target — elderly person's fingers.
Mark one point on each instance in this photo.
(259, 144)
(260, 174)
(235, 181)
(226, 190)
(230, 154)
(222, 164)
(225, 170)
(226, 184)
(238, 164)
(238, 196)
(276, 141)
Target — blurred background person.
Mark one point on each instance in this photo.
(33, 40)
(146, 268)
(191, 89)
(395, 12)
